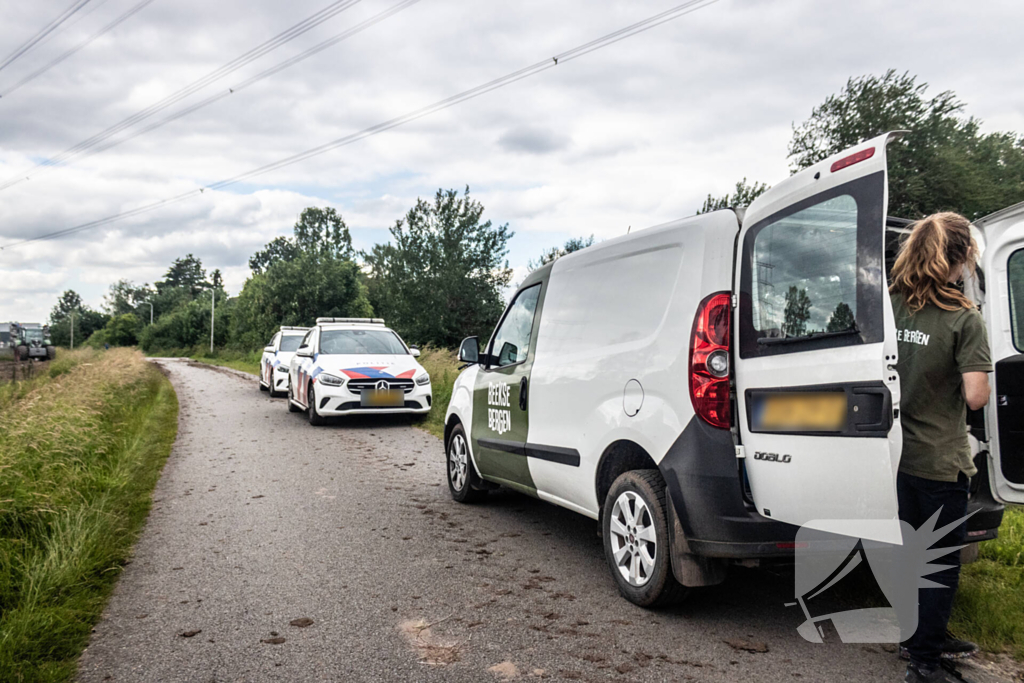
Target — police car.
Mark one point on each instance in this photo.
(347, 366)
(276, 357)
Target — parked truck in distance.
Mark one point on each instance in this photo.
(31, 341)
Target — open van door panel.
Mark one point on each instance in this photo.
(815, 351)
(1003, 265)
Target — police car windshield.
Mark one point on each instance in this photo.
(360, 341)
(290, 342)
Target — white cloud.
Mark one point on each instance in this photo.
(633, 135)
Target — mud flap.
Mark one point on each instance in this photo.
(689, 569)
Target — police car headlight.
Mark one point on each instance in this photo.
(423, 379)
(330, 380)
(281, 368)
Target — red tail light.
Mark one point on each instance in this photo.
(710, 360)
(854, 158)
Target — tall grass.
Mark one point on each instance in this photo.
(990, 603)
(443, 366)
(81, 448)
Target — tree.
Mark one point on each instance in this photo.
(122, 330)
(943, 163)
(320, 232)
(743, 196)
(554, 253)
(185, 274)
(125, 297)
(297, 279)
(797, 312)
(441, 278)
(86, 320)
(842, 319)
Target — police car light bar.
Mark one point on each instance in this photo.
(365, 321)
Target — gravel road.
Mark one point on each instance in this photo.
(262, 523)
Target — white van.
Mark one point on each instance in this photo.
(706, 386)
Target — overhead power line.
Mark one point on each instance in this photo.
(43, 32)
(49, 65)
(255, 53)
(319, 47)
(508, 79)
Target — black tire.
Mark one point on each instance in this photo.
(657, 586)
(292, 408)
(460, 469)
(21, 352)
(315, 418)
(51, 352)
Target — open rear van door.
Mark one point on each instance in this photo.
(1003, 266)
(817, 391)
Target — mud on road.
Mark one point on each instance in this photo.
(277, 551)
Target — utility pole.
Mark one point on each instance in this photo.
(150, 311)
(213, 306)
(72, 331)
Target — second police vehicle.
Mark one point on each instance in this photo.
(706, 386)
(347, 366)
(277, 356)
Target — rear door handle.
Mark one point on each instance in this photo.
(523, 391)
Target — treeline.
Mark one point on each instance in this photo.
(440, 279)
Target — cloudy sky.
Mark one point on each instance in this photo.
(632, 135)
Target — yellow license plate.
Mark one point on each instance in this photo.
(800, 412)
(392, 398)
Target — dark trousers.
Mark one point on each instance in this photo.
(918, 500)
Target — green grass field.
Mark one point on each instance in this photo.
(990, 603)
(81, 448)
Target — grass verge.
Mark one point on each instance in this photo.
(81, 448)
(443, 366)
(989, 606)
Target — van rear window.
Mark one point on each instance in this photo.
(805, 280)
(813, 274)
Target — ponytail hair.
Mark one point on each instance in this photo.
(936, 247)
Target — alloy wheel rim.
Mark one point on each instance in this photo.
(458, 462)
(633, 538)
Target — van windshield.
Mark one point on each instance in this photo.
(360, 341)
(290, 342)
(805, 272)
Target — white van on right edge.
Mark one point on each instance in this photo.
(707, 386)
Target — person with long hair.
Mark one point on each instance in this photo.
(944, 361)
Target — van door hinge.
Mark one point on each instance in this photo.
(740, 453)
(735, 301)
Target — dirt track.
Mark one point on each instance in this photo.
(261, 520)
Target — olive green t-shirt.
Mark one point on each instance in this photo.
(935, 348)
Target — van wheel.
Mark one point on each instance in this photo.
(292, 408)
(635, 533)
(315, 418)
(462, 478)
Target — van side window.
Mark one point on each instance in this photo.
(1015, 278)
(512, 338)
(804, 275)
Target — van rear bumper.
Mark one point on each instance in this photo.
(702, 477)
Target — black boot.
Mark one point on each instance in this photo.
(952, 648)
(946, 673)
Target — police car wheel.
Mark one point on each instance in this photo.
(635, 532)
(315, 418)
(462, 478)
(292, 408)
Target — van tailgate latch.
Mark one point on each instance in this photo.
(740, 452)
